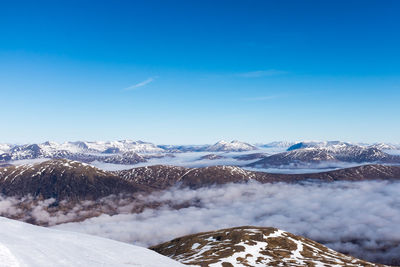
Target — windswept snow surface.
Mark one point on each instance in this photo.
(23, 245)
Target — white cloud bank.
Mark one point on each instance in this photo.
(361, 218)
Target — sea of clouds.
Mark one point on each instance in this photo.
(359, 218)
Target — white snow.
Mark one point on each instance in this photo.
(25, 245)
(231, 146)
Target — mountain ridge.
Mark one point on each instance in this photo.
(250, 246)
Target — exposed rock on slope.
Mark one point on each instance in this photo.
(157, 176)
(161, 177)
(125, 158)
(62, 179)
(253, 246)
(212, 157)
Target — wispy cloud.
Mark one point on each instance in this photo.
(141, 84)
(262, 73)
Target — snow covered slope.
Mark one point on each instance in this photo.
(85, 151)
(4, 148)
(307, 154)
(23, 245)
(234, 146)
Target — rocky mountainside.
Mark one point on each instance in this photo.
(125, 158)
(62, 179)
(157, 177)
(161, 177)
(211, 157)
(253, 246)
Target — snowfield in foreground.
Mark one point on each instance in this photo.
(23, 245)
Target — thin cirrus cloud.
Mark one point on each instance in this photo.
(141, 84)
(262, 73)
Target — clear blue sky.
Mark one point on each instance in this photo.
(198, 71)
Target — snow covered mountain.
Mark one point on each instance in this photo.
(183, 148)
(306, 154)
(81, 151)
(319, 144)
(124, 146)
(4, 148)
(26, 245)
(253, 246)
(384, 146)
(339, 145)
(233, 146)
(278, 144)
(128, 152)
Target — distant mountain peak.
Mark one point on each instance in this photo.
(233, 146)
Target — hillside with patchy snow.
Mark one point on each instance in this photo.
(253, 247)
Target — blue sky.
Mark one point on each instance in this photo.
(189, 72)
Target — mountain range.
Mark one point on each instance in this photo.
(119, 152)
(298, 155)
(307, 154)
(65, 179)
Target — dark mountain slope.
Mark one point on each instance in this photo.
(62, 179)
(161, 177)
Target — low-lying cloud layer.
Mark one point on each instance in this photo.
(360, 218)
(49, 212)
